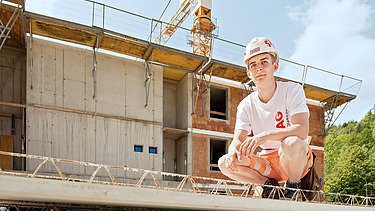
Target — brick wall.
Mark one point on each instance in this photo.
(316, 129)
(200, 143)
(201, 159)
(317, 132)
(235, 95)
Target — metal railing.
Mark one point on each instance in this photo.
(154, 179)
(107, 17)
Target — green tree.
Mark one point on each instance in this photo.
(349, 157)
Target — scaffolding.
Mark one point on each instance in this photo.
(148, 179)
(7, 26)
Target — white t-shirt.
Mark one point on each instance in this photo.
(255, 116)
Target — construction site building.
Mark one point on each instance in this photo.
(143, 105)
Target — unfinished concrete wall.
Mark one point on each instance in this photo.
(182, 156)
(169, 103)
(169, 155)
(67, 121)
(169, 120)
(184, 148)
(12, 90)
(184, 100)
(177, 156)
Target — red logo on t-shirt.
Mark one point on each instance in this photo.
(279, 120)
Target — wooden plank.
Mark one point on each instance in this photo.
(65, 33)
(176, 58)
(173, 74)
(124, 46)
(228, 73)
(6, 144)
(315, 94)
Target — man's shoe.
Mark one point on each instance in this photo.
(311, 182)
(268, 191)
(290, 193)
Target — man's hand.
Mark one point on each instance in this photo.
(249, 146)
(231, 158)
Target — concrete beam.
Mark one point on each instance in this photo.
(46, 190)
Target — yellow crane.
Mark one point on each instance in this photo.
(202, 28)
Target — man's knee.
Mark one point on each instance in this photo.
(221, 163)
(293, 147)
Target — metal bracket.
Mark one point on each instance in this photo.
(148, 75)
(202, 85)
(207, 86)
(95, 49)
(330, 111)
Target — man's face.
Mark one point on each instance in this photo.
(261, 68)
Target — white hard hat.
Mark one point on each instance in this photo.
(257, 46)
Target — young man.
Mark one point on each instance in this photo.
(277, 116)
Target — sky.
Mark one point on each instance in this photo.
(334, 35)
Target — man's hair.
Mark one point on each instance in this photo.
(272, 55)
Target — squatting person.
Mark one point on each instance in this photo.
(275, 118)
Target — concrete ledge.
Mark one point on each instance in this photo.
(45, 190)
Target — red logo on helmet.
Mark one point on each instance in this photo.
(268, 43)
(254, 50)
